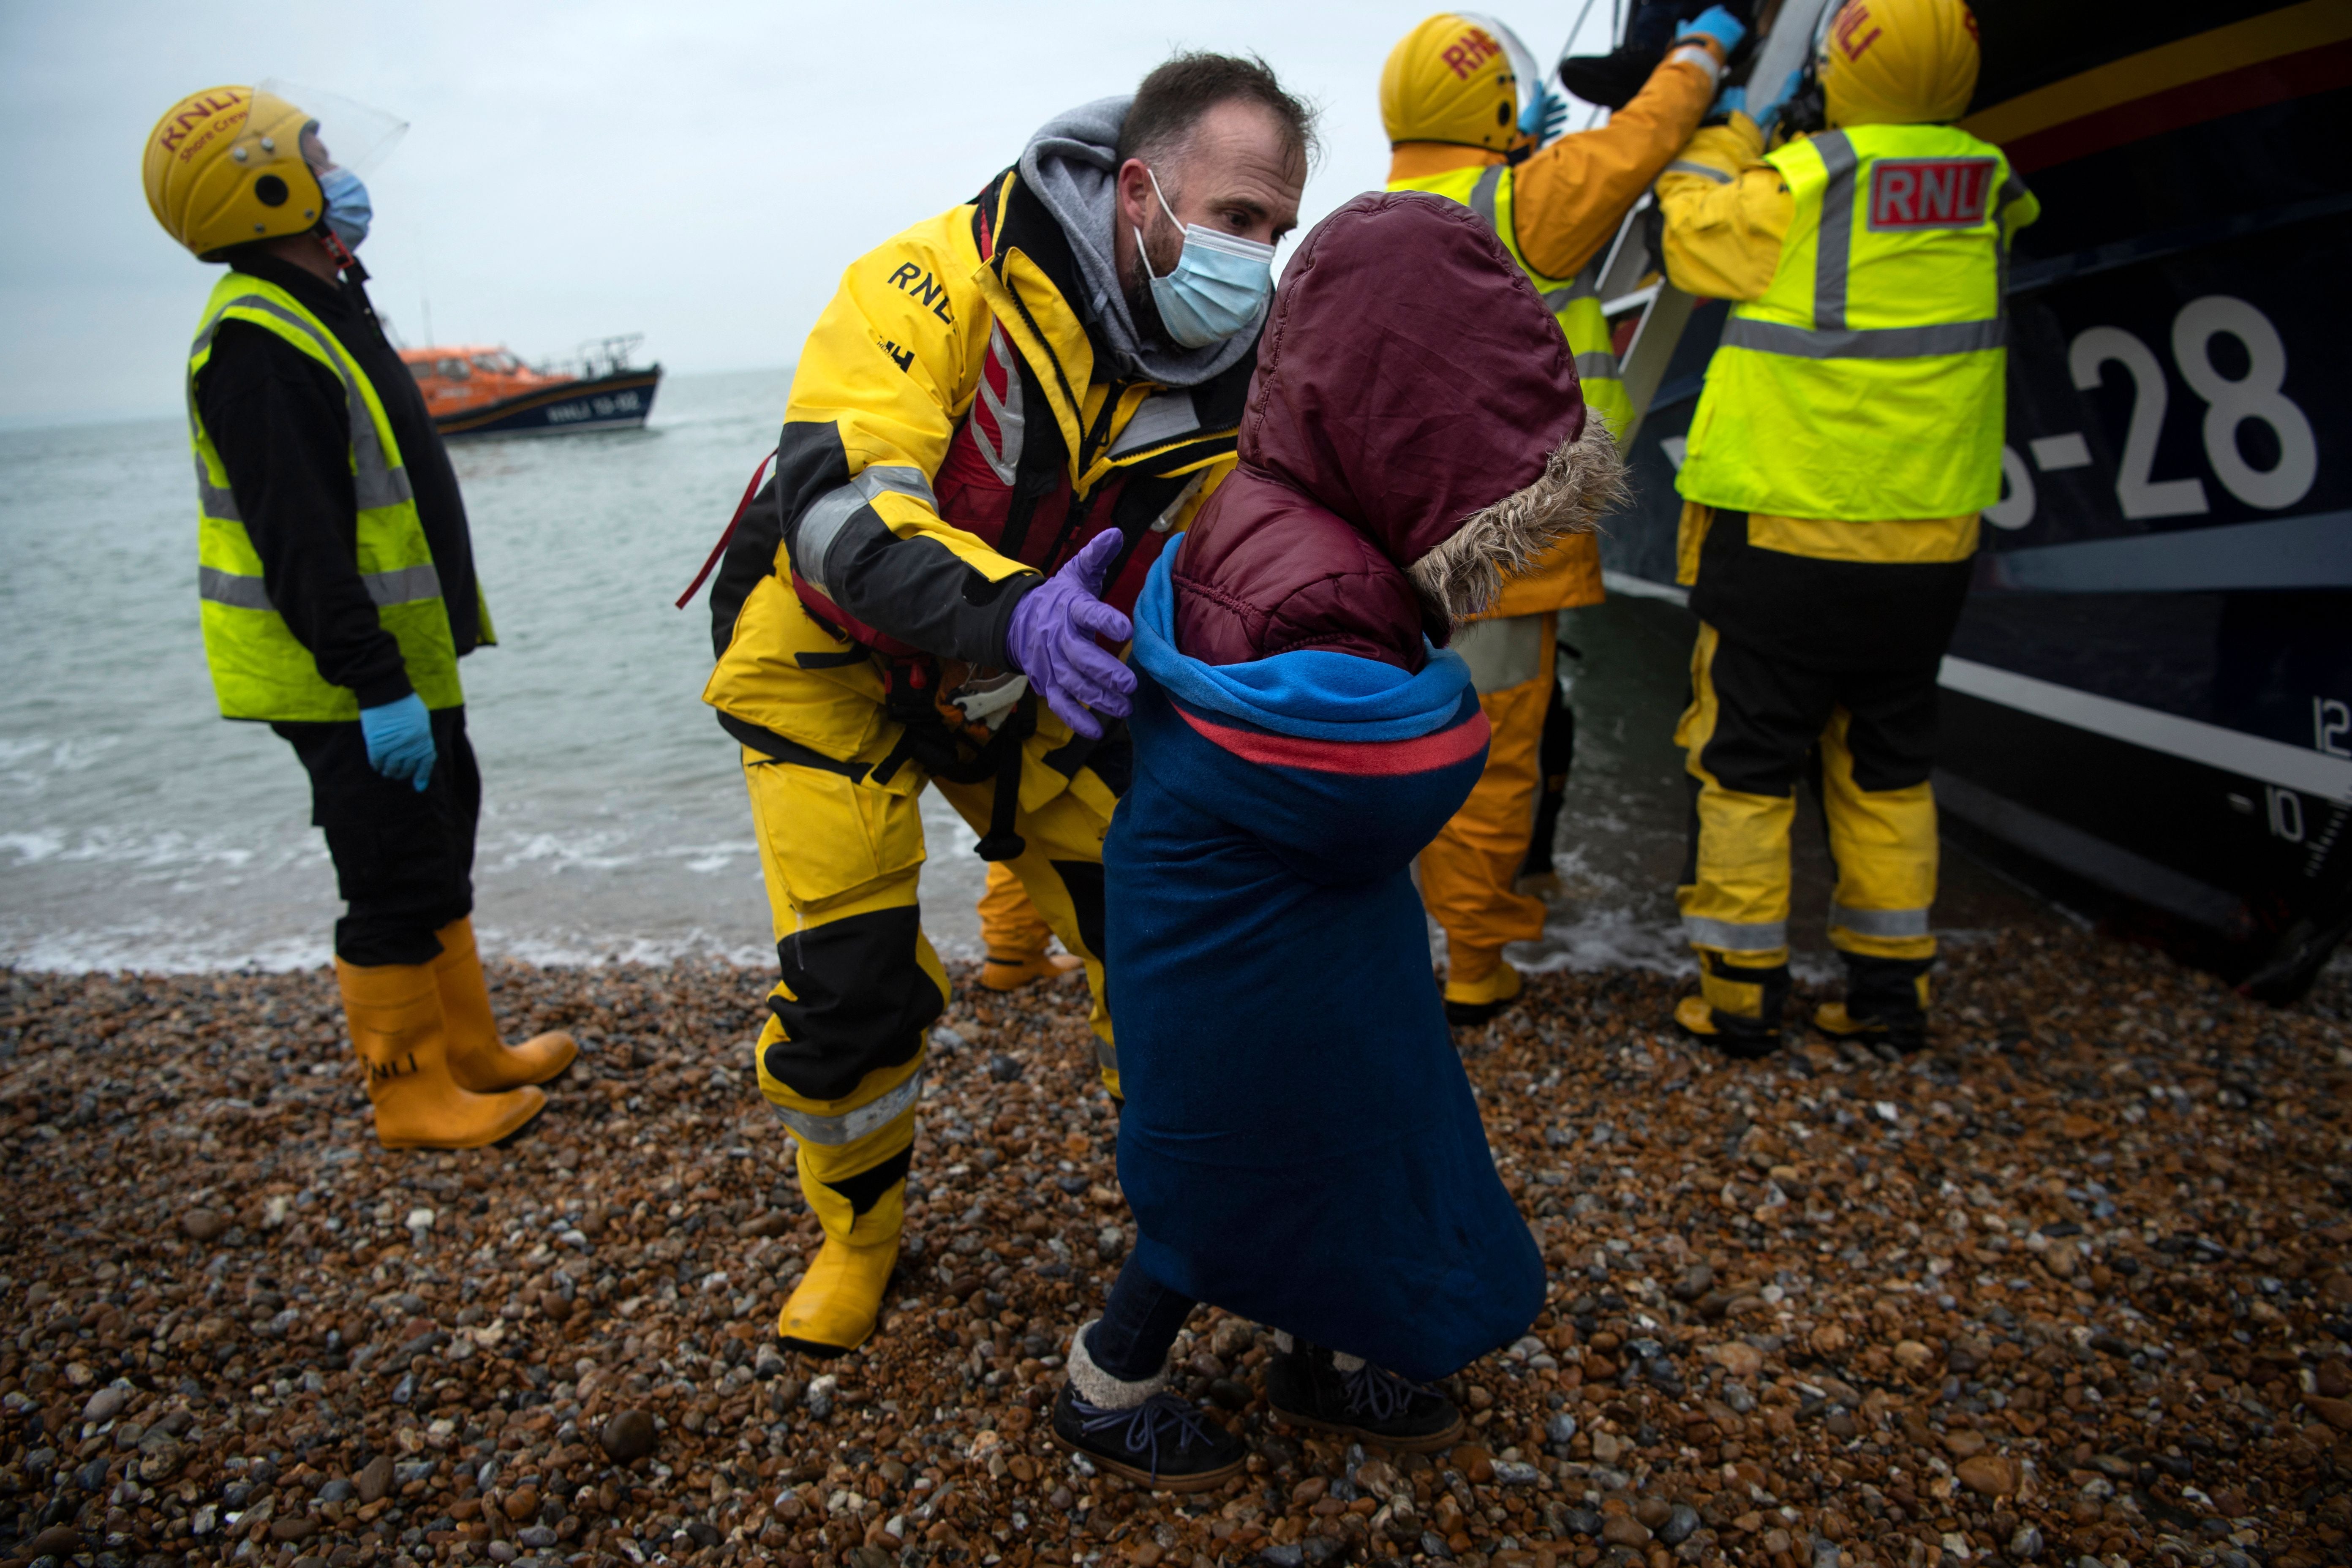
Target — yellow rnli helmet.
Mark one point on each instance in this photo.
(1449, 80)
(1899, 62)
(226, 165)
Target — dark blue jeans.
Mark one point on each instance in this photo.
(1139, 1321)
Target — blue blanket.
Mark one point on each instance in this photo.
(1300, 1144)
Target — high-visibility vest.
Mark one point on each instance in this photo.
(260, 670)
(1867, 384)
(1574, 303)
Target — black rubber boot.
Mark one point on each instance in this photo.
(1140, 1430)
(1307, 1386)
(1886, 1002)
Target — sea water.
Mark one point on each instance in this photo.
(138, 830)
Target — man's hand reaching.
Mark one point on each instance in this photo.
(1052, 640)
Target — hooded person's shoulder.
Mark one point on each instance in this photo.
(1265, 570)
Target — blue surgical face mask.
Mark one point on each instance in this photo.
(348, 208)
(1218, 286)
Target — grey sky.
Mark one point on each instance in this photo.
(700, 173)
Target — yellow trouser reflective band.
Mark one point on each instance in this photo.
(851, 1125)
(1762, 936)
(1597, 367)
(1880, 922)
(375, 482)
(830, 513)
(407, 585)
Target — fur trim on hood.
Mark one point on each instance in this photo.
(1583, 479)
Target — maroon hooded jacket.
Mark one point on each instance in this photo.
(1409, 378)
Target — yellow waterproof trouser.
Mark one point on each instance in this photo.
(1010, 928)
(842, 1054)
(1468, 871)
(1751, 725)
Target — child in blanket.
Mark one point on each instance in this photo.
(1300, 1142)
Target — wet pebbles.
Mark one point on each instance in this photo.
(2073, 1284)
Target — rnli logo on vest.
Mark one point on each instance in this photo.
(1929, 193)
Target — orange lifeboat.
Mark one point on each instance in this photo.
(486, 389)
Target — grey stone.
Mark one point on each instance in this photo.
(106, 1404)
(1679, 1525)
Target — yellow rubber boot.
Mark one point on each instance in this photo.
(1478, 986)
(1001, 973)
(394, 1012)
(858, 1191)
(1014, 934)
(1739, 1007)
(478, 1059)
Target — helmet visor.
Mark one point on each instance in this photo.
(326, 130)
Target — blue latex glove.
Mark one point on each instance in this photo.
(400, 740)
(1052, 640)
(1545, 116)
(1731, 100)
(1770, 110)
(1719, 24)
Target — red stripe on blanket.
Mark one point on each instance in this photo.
(1381, 759)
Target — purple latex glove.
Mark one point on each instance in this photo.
(1052, 640)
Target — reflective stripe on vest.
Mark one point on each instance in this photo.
(1574, 303)
(1866, 383)
(376, 481)
(259, 669)
(407, 585)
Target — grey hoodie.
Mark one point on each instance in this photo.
(1070, 164)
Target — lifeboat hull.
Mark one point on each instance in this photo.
(2147, 707)
(619, 402)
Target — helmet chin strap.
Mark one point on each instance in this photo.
(340, 254)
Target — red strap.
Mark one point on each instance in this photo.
(720, 549)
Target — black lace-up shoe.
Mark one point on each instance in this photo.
(1307, 1386)
(1612, 79)
(1166, 1443)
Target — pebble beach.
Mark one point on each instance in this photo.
(2072, 1286)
